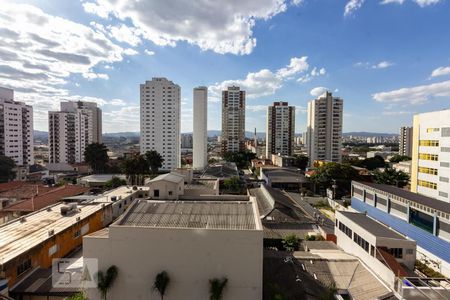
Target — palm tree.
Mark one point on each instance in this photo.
(216, 287)
(105, 282)
(161, 282)
(154, 160)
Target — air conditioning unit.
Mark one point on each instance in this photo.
(51, 232)
(78, 219)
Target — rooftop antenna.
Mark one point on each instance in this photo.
(255, 139)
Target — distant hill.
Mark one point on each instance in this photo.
(369, 134)
(40, 135)
(121, 134)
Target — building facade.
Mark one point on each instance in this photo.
(200, 150)
(16, 129)
(219, 236)
(420, 218)
(160, 120)
(324, 128)
(72, 129)
(280, 129)
(430, 169)
(405, 141)
(233, 120)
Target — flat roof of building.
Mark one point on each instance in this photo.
(407, 195)
(372, 226)
(284, 175)
(23, 234)
(236, 215)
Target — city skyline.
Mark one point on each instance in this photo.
(275, 51)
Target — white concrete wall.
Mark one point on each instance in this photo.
(164, 188)
(190, 256)
(200, 134)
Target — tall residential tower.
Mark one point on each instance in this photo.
(200, 147)
(72, 129)
(16, 129)
(405, 141)
(280, 129)
(324, 135)
(430, 168)
(160, 120)
(233, 120)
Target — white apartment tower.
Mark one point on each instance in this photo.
(430, 168)
(16, 129)
(233, 120)
(200, 151)
(160, 120)
(280, 129)
(324, 128)
(72, 129)
(405, 141)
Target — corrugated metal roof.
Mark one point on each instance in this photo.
(237, 215)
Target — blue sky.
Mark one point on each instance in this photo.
(387, 59)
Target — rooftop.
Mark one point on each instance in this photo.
(284, 175)
(236, 215)
(371, 226)
(100, 177)
(172, 177)
(221, 170)
(23, 234)
(407, 195)
(48, 198)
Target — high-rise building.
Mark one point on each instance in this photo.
(324, 136)
(160, 120)
(405, 141)
(16, 129)
(430, 168)
(72, 129)
(186, 140)
(233, 120)
(200, 151)
(280, 129)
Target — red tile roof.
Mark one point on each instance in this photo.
(24, 190)
(46, 199)
(10, 185)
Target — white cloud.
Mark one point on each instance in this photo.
(263, 82)
(392, 1)
(415, 95)
(130, 51)
(423, 3)
(125, 34)
(223, 27)
(256, 108)
(314, 73)
(117, 102)
(92, 76)
(441, 71)
(352, 6)
(39, 52)
(149, 52)
(317, 91)
(297, 65)
(382, 65)
(124, 118)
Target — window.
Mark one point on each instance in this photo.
(52, 250)
(345, 230)
(409, 251)
(77, 234)
(428, 170)
(396, 252)
(427, 156)
(156, 193)
(429, 143)
(429, 130)
(24, 266)
(427, 184)
(170, 193)
(361, 242)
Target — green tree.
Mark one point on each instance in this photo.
(105, 281)
(161, 283)
(290, 242)
(96, 155)
(329, 293)
(301, 161)
(115, 182)
(373, 163)
(135, 169)
(241, 158)
(154, 160)
(78, 296)
(6, 169)
(330, 173)
(398, 158)
(391, 176)
(232, 184)
(216, 287)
